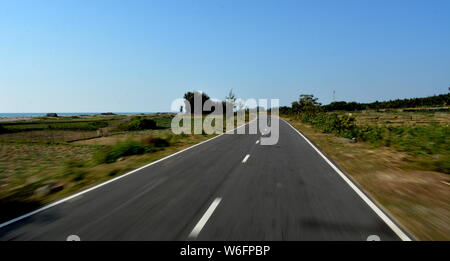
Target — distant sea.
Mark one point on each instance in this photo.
(39, 114)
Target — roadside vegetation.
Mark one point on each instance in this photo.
(45, 158)
(401, 158)
(405, 132)
(432, 141)
(432, 103)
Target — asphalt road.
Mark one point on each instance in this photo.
(229, 188)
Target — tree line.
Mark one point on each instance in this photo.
(308, 103)
(189, 97)
(231, 104)
(431, 101)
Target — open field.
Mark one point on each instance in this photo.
(404, 183)
(429, 143)
(46, 136)
(44, 159)
(400, 118)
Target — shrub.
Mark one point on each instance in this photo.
(332, 123)
(443, 164)
(72, 169)
(78, 174)
(73, 163)
(114, 172)
(3, 130)
(370, 134)
(154, 141)
(138, 124)
(426, 140)
(121, 149)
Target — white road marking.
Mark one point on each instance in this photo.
(202, 222)
(246, 158)
(399, 232)
(257, 141)
(109, 181)
(73, 238)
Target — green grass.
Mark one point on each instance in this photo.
(121, 149)
(137, 123)
(163, 122)
(432, 139)
(130, 147)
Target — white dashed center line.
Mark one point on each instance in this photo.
(246, 158)
(202, 222)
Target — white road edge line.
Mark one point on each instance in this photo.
(246, 158)
(202, 222)
(399, 232)
(109, 181)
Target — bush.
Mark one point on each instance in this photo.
(74, 163)
(114, 172)
(78, 174)
(73, 169)
(344, 126)
(156, 142)
(426, 140)
(3, 130)
(443, 164)
(138, 124)
(121, 149)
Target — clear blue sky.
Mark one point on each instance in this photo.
(127, 56)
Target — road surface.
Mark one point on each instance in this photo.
(229, 188)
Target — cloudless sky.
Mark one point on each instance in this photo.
(137, 56)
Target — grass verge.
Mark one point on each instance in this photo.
(417, 198)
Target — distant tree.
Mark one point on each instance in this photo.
(343, 106)
(295, 107)
(306, 103)
(285, 110)
(308, 100)
(230, 102)
(191, 96)
(231, 97)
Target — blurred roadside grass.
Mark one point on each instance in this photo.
(430, 142)
(402, 171)
(40, 166)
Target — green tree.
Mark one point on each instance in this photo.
(306, 103)
(191, 96)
